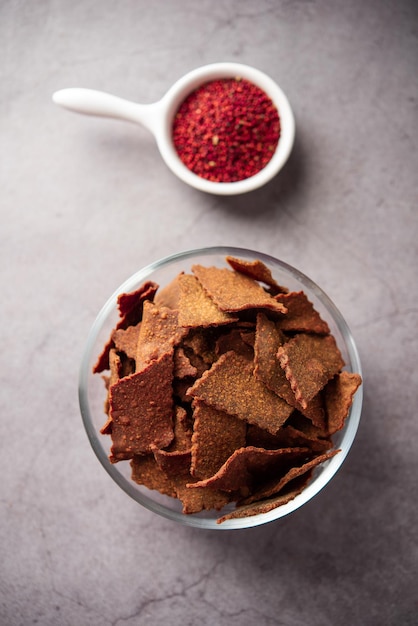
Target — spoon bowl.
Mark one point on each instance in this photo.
(158, 119)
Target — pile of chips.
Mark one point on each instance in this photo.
(224, 387)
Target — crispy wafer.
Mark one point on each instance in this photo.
(141, 409)
(196, 308)
(338, 396)
(130, 309)
(233, 291)
(301, 315)
(259, 508)
(230, 386)
(159, 332)
(309, 362)
(257, 270)
(267, 368)
(273, 487)
(246, 467)
(216, 436)
(130, 304)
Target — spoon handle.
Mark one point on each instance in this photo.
(93, 102)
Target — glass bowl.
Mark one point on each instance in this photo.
(92, 391)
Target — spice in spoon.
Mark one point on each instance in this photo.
(226, 130)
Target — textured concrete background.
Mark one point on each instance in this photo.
(86, 202)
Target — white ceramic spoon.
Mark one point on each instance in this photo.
(158, 118)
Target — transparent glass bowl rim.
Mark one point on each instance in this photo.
(328, 470)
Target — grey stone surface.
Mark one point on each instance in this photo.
(85, 202)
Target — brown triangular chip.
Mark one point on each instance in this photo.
(259, 508)
(230, 386)
(273, 487)
(130, 304)
(247, 466)
(216, 435)
(267, 368)
(338, 399)
(159, 333)
(196, 308)
(141, 409)
(309, 362)
(257, 270)
(301, 315)
(233, 291)
(130, 308)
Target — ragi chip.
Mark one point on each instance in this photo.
(200, 346)
(197, 500)
(230, 386)
(338, 396)
(291, 436)
(301, 315)
(216, 436)
(309, 362)
(159, 333)
(267, 368)
(130, 309)
(257, 270)
(130, 304)
(273, 487)
(233, 291)
(141, 409)
(247, 466)
(196, 308)
(264, 506)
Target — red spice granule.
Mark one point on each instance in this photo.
(226, 130)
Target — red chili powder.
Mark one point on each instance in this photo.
(226, 130)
